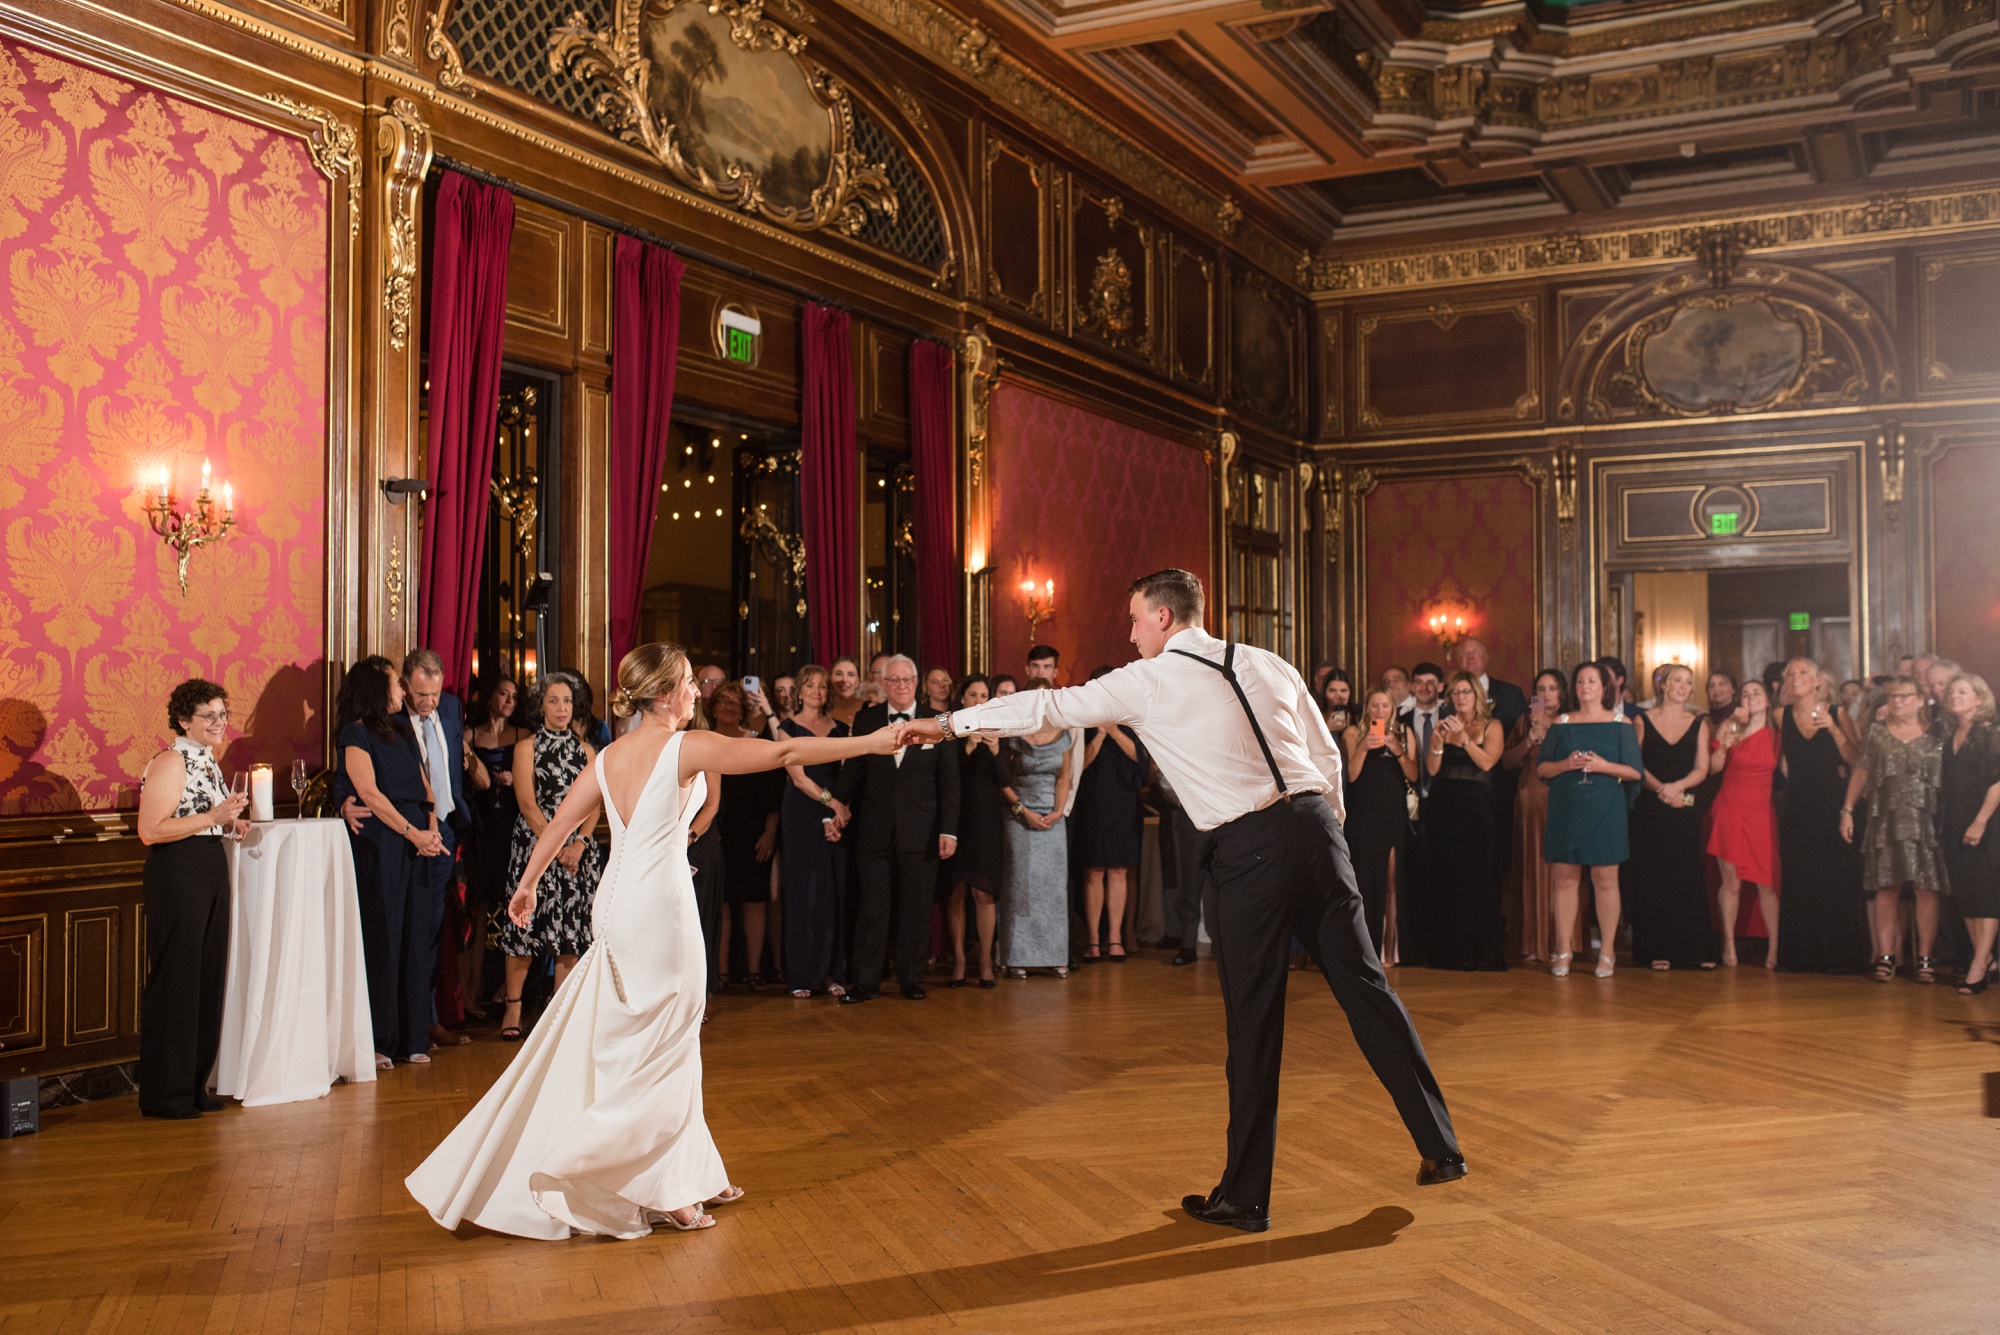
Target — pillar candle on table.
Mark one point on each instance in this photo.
(260, 793)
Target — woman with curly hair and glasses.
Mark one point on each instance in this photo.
(185, 810)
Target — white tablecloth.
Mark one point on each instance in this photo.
(295, 1016)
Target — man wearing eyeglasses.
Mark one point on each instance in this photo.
(906, 821)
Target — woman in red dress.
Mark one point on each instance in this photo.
(1744, 840)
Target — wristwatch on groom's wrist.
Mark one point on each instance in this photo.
(944, 726)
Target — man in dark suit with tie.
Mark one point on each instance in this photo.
(438, 720)
(1508, 703)
(906, 821)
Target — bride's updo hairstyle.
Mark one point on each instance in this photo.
(646, 674)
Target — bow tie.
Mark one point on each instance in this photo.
(899, 718)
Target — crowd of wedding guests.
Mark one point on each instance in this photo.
(1847, 813)
(1819, 825)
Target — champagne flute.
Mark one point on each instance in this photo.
(299, 785)
(239, 786)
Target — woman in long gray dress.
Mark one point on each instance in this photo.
(1036, 773)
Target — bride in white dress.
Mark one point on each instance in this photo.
(597, 1125)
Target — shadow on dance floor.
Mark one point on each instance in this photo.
(1172, 1251)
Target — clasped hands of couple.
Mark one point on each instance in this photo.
(882, 742)
(430, 843)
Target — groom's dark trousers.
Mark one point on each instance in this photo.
(1276, 873)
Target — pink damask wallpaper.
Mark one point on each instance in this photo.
(1451, 542)
(163, 300)
(1092, 504)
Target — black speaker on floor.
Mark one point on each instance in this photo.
(20, 1107)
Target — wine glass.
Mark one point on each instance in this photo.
(239, 786)
(299, 785)
(1585, 781)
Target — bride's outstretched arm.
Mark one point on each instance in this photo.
(717, 754)
(579, 806)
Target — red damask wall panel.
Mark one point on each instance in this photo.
(163, 301)
(1464, 542)
(1092, 504)
(1965, 483)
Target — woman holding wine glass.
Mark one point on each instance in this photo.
(184, 814)
(1587, 816)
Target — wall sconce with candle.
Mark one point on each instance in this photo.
(1041, 604)
(185, 530)
(1448, 625)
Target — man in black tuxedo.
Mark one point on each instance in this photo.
(1508, 704)
(906, 812)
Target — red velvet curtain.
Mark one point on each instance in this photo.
(829, 485)
(646, 335)
(931, 455)
(474, 225)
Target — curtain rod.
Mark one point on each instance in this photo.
(440, 162)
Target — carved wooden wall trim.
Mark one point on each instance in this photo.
(1526, 407)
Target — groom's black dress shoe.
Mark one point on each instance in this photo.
(1185, 955)
(1448, 1169)
(914, 992)
(1212, 1209)
(855, 998)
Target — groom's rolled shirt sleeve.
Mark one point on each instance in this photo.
(1117, 697)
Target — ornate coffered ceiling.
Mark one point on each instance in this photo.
(1388, 118)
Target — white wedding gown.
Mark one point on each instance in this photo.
(599, 1119)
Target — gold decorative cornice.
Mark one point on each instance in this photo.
(404, 140)
(1903, 214)
(332, 145)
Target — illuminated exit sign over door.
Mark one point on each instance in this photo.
(739, 335)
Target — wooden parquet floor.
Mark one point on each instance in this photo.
(1683, 1152)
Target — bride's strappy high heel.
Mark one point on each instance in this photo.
(1559, 963)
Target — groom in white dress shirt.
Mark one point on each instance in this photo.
(1236, 731)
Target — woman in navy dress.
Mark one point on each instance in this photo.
(1591, 761)
(379, 756)
(814, 867)
(490, 778)
(982, 839)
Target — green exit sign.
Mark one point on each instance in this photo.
(1801, 621)
(1723, 523)
(738, 335)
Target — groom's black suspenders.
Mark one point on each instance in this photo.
(1228, 670)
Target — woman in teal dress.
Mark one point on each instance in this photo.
(1591, 762)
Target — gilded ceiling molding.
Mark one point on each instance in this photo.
(403, 138)
(269, 32)
(332, 146)
(968, 48)
(1527, 84)
(1932, 212)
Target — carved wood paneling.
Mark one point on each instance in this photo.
(538, 269)
(599, 272)
(1449, 363)
(882, 398)
(24, 946)
(1266, 350)
(91, 974)
(1575, 306)
(1016, 205)
(1331, 372)
(1958, 346)
(1191, 316)
(1109, 272)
